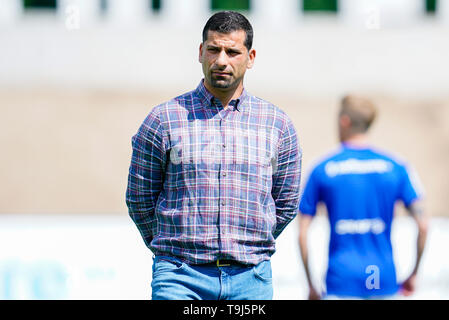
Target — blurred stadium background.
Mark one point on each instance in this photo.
(77, 78)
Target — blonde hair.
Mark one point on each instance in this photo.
(361, 111)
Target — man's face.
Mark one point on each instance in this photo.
(225, 59)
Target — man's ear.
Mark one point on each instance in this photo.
(252, 57)
(200, 56)
(345, 121)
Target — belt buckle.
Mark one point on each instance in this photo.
(222, 265)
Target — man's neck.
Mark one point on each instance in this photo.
(358, 141)
(225, 96)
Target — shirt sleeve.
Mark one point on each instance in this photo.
(411, 187)
(146, 174)
(311, 194)
(286, 179)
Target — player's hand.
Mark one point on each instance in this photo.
(313, 294)
(409, 285)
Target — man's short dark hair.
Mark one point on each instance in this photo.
(227, 22)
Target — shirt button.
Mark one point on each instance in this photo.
(222, 202)
(224, 174)
(224, 146)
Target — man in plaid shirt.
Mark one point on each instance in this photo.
(215, 177)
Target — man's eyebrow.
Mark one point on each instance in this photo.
(231, 49)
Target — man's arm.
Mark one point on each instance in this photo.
(304, 223)
(286, 179)
(416, 210)
(146, 175)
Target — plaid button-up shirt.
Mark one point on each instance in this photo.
(208, 183)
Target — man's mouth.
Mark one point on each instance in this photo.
(220, 74)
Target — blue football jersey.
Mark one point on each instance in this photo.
(359, 188)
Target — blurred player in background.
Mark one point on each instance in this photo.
(214, 177)
(359, 186)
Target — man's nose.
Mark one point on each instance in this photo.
(222, 59)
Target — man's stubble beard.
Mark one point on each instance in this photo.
(221, 84)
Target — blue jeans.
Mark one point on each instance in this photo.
(176, 280)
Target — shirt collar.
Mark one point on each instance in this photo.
(208, 98)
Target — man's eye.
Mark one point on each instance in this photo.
(212, 49)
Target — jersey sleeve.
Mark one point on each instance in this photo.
(411, 187)
(311, 194)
